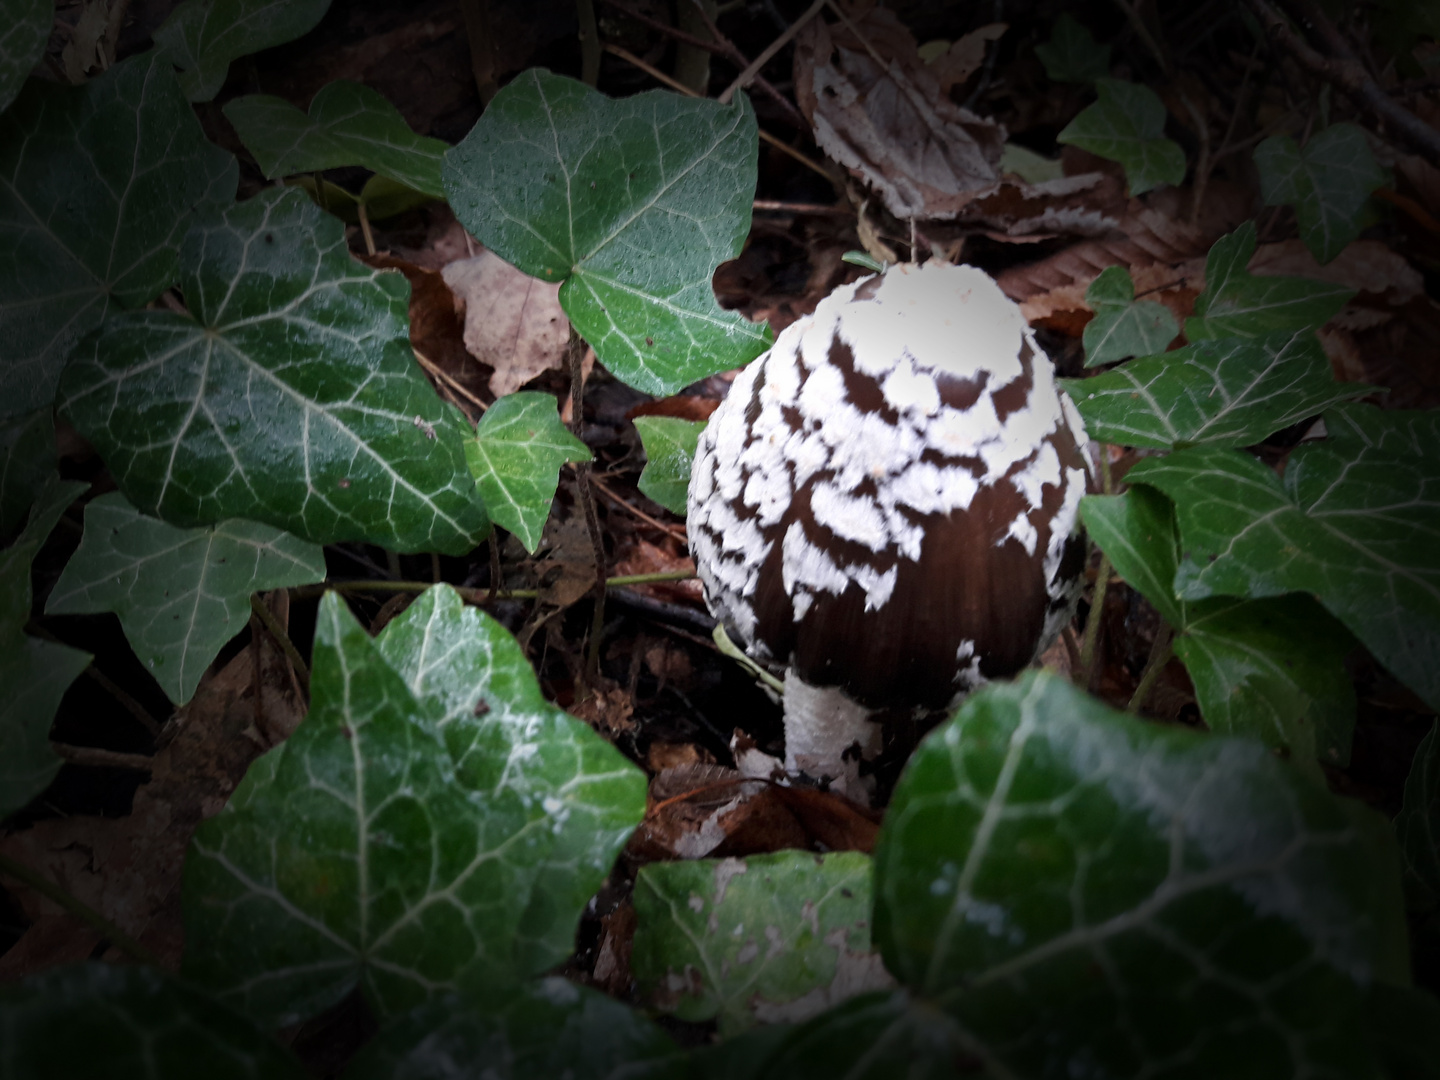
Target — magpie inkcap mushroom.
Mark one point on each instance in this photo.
(884, 507)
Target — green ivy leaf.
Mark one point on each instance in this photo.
(1121, 327)
(349, 124)
(202, 37)
(24, 29)
(1404, 1030)
(1271, 669)
(134, 1022)
(1227, 392)
(552, 1028)
(1072, 54)
(771, 937)
(1236, 303)
(98, 184)
(1127, 125)
(515, 457)
(292, 397)
(27, 457)
(1072, 885)
(355, 856)
(1328, 182)
(481, 696)
(1418, 826)
(669, 451)
(181, 594)
(631, 204)
(1357, 527)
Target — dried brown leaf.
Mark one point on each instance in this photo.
(513, 322)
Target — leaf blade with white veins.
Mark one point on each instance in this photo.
(769, 938)
(181, 594)
(27, 455)
(1068, 883)
(1072, 54)
(348, 124)
(1226, 392)
(1236, 303)
(202, 37)
(515, 456)
(1355, 526)
(631, 204)
(97, 186)
(669, 451)
(1127, 125)
(292, 397)
(1122, 327)
(480, 690)
(356, 858)
(1328, 182)
(24, 29)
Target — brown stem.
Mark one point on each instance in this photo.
(272, 625)
(753, 69)
(587, 503)
(482, 50)
(95, 757)
(81, 910)
(479, 596)
(1343, 69)
(589, 42)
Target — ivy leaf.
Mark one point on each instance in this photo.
(356, 857)
(1328, 182)
(1227, 392)
(349, 124)
(202, 37)
(1418, 826)
(631, 204)
(181, 594)
(1357, 527)
(1236, 303)
(24, 29)
(35, 673)
(291, 397)
(1127, 125)
(1271, 669)
(131, 1021)
(481, 696)
(97, 186)
(1121, 327)
(772, 937)
(1072, 54)
(27, 457)
(550, 1028)
(515, 457)
(669, 451)
(1405, 1030)
(1072, 885)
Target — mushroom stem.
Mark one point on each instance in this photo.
(827, 735)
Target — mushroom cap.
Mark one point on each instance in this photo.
(885, 500)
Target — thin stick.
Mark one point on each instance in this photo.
(481, 38)
(681, 88)
(81, 910)
(1159, 656)
(95, 757)
(819, 209)
(133, 707)
(272, 625)
(479, 596)
(1345, 70)
(1132, 13)
(589, 42)
(744, 78)
(670, 530)
(494, 568)
(587, 503)
(448, 379)
(365, 228)
(1089, 644)
(1202, 166)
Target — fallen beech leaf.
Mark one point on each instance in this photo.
(964, 58)
(512, 321)
(891, 125)
(681, 407)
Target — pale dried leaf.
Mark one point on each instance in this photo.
(512, 321)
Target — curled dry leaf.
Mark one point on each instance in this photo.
(878, 109)
(512, 321)
(964, 58)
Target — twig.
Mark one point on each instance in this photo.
(1202, 165)
(681, 88)
(1132, 13)
(776, 206)
(365, 226)
(276, 631)
(589, 42)
(478, 596)
(744, 78)
(1091, 640)
(1344, 69)
(481, 39)
(669, 530)
(448, 379)
(587, 503)
(987, 70)
(95, 757)
(1160, 652)
(81, 910)
(495, 573)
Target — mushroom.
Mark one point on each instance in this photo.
(884, 509)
